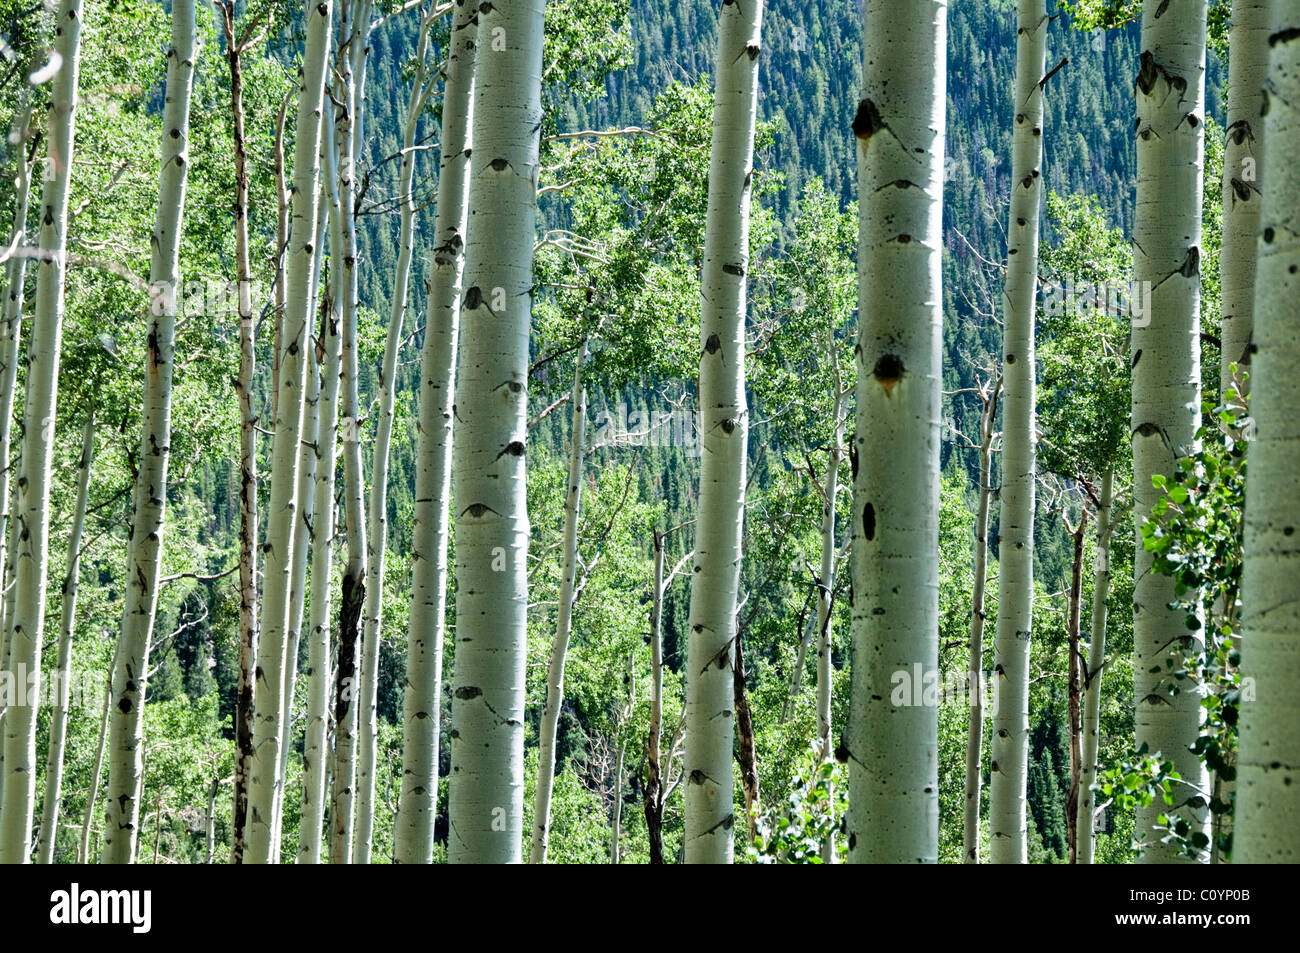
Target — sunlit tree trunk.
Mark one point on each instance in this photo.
(247, 443)
(486, 790)
(825, 598)
(1242, 152)
(352, 594)
(1092, 678)
(26, 624)
(61, 701)
(283, 511)
(564, 619)
(1166, 359)
(96, 772)
(316, 749)
(422, 710)
(892, 739)
(1009, 742)
(975, 670)
(1268, 789)
(377, 539)
(724, 435)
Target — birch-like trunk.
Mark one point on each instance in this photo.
(1242, 152)
(654, 786)
(247, 444)
(316, 750)
(377, 539)
(724, 436)
(564, 619)
(67, 620)
(892, 739)
(25, 626)
(825, 599)
(1074, 687)
(1166, 358)
(422, 708)
(11, 347)
(1268, 780)
(487, 749)
(1092, 678)
(96, 771)
(975, 669)
(283, 511)
(1009, 742)
(352, 595)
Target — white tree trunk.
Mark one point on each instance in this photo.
(316, 749)
(724, 436)
(1242, 152)
(377, 539)
(825, 596)
(269, 710)
(1010, 739)
(1166, 358)
(899, 128)
(486, 791)
(247, 440)
(1092, 683)
(975, 668)
(422, 709)
(352, 596)
(1268, 786)
(564, 619)
(67, 623)
(92, 792)
(26, 624)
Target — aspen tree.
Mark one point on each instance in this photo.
(235, 47)
(351, 59)
(892, 739)
(25, 624)
(485, 795)
(377, 539)
(1242, 152)
(1096, 665)
(144, 563)
(1166, 358)
(564, 619)
(1268, 793)
(316, 752)
(1009, 743)
(269, 710)
(67, 617)
(724, 436)
(422, 709)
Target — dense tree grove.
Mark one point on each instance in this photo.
(649, 431)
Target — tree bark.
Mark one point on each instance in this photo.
(92, 792)
(422, 709)
(1242, 155)
(564, 620)
(1166, 356)
(899, 128)
(247, 443)
(377, 540)
(1009, 742)
(1075, 689)
(487, 747)
(724, 436)
(26, 624)
(352, 595)
(975, 669)
(1268, 795)
(1092, 679)
(316, 748)
(67, 618)
(285, 505)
